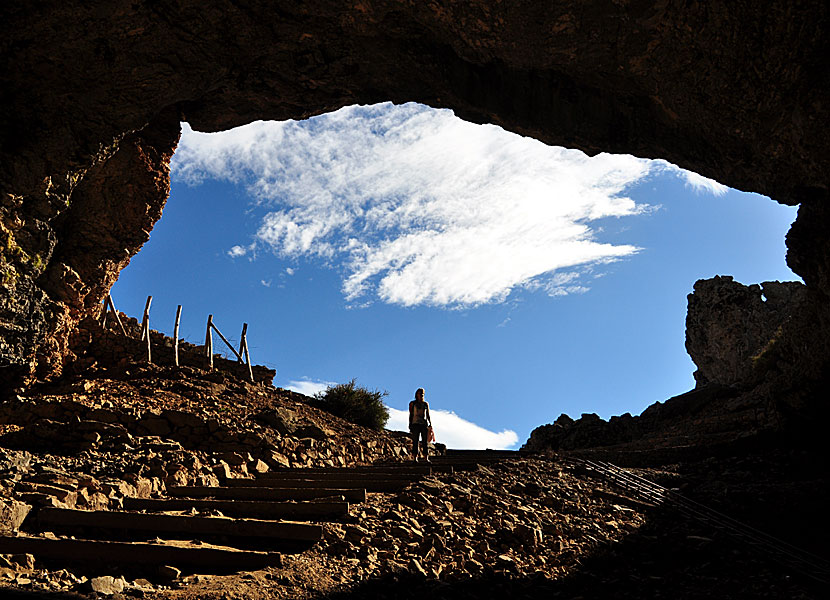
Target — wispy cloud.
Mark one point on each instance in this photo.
(237, 251)
(703, 185)
(419, 207)
(694, 181)
(456, 432)
(308, 387)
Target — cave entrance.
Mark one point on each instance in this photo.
(406, 248)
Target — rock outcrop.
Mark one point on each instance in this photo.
(696, 421)
(763, 362)
(92, 93)
(731, 328)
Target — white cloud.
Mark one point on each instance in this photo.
(237, 251)
(699, 183)
(562, 284)
(265, 283)
(289, 270)
(420, 207)
(702, 184)
(308, 387)
(456, 432)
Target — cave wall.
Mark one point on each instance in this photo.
(91, 93)
(75, 246)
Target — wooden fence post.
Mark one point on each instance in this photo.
(110, 305)
(209, 341)
(242, 341)
(145, 321)
(244, 344)
(176, 334)
(145, 328)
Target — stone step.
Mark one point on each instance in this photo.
(313, 511)
(413, 467)
(377, 485)
(393, 467)
(463, 463)
(452, 453)
(338, 476)
(382, 467)
(192, 527)
(266, 493)
(473, 464)
(72, 551)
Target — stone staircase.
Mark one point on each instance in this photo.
(242, 524)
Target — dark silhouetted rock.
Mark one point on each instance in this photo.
(729, 326)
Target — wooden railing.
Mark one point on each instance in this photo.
(243, 355)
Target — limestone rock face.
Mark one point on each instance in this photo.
(729, 326)
(71, 248)
(91, 92)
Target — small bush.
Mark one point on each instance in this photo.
(356, 404)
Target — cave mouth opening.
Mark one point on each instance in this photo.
(420, 250)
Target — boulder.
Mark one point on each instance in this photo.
(281, 419)
(107, 585)
(12, 515)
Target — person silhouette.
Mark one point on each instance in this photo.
(419, 422)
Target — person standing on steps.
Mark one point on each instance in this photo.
(419, 421)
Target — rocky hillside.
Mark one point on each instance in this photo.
(523, 526)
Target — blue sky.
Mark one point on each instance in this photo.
(406, 248)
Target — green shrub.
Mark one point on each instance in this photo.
(356, 404)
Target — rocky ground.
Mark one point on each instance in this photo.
(526, 527)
